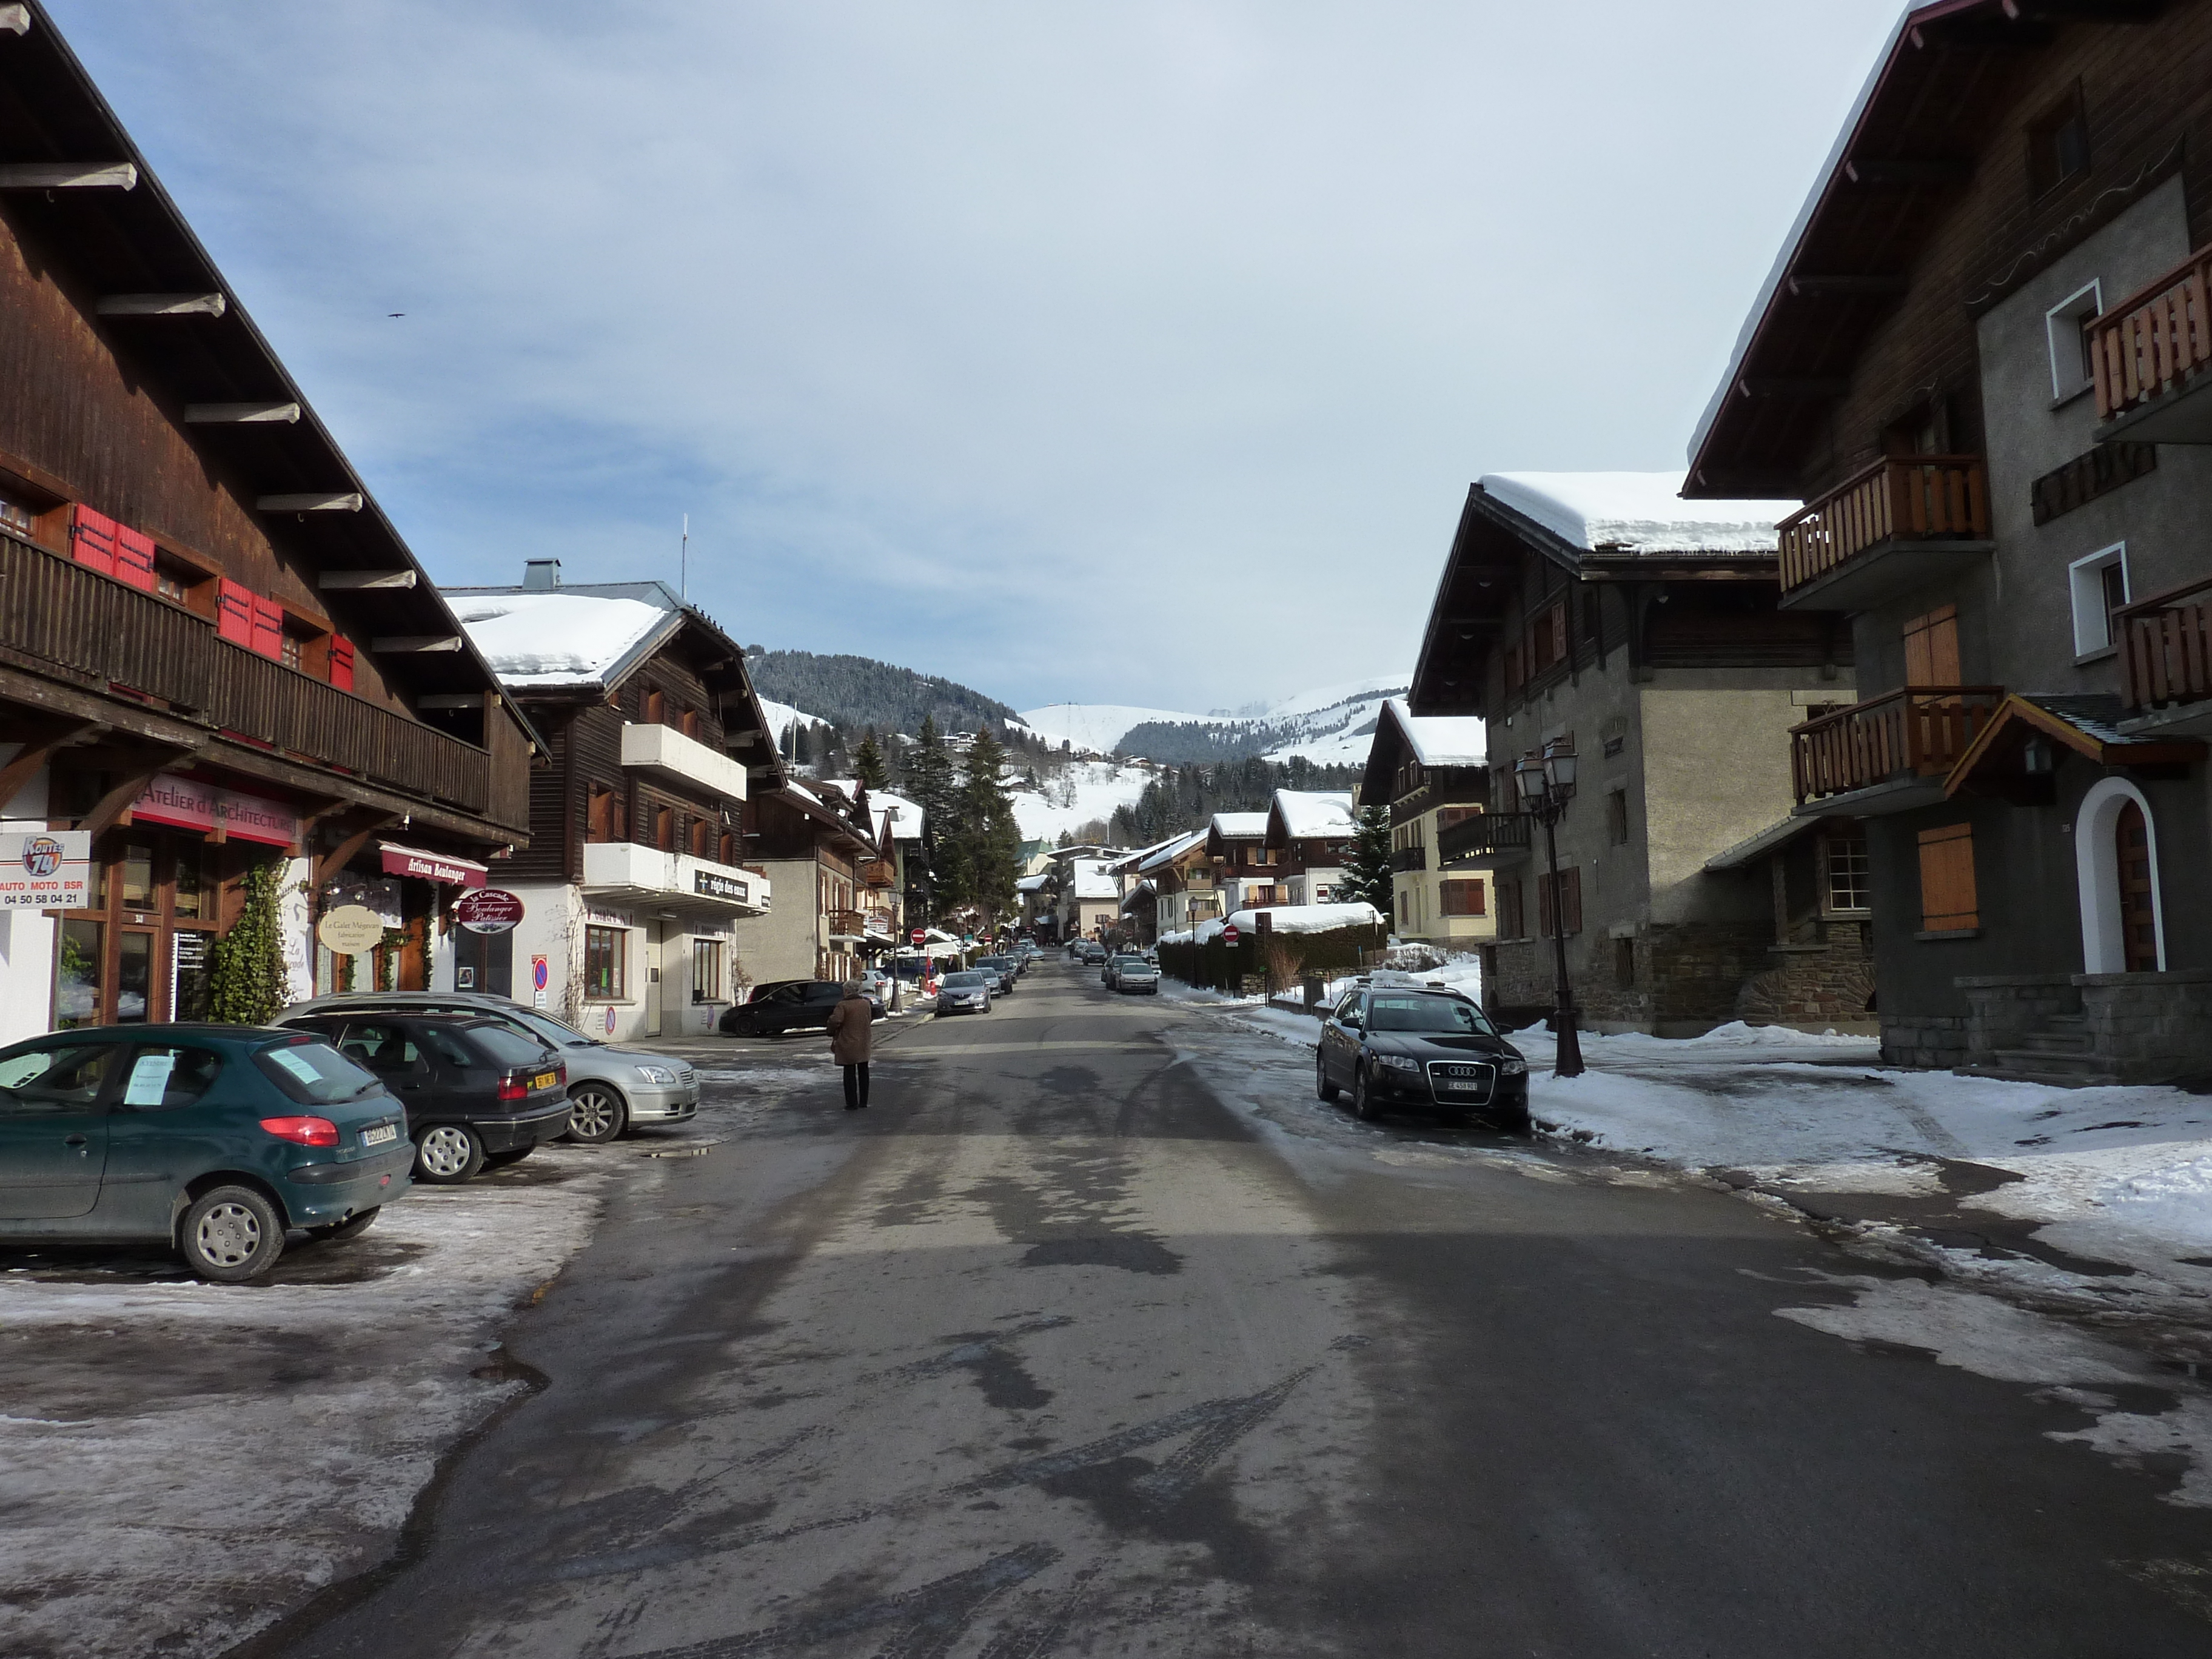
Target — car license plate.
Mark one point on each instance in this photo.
(543, 1080)
(379, 1134)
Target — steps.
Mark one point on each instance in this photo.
(2060, 1054)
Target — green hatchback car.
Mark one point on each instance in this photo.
(217, 1139)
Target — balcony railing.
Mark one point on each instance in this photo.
(1409, 857)
(1900, 498)
(1917, 733)
(1486, 834)
(847, 924)
(2153, 340)
(2165, 647)
(71, 622)
(879, 872)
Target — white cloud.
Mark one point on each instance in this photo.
(1017, 343)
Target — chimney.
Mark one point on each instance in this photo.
(540, 573)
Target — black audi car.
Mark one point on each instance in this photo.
(1434, 1050)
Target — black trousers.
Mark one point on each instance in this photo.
(856, 1086)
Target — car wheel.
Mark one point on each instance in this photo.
(1322, 1086)
(352, 1227)
(596, 1114)
(230, 1234)
(1518, 1123)
(513, 1155)
(1363, 1102)
(446, 1154)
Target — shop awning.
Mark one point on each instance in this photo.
(430, 866)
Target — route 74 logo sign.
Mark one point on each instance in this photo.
(46, 870)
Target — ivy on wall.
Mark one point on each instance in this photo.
(247, 981)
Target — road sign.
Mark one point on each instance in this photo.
(489, 910)
(537, 973)
(1229, 935)
(917, 936)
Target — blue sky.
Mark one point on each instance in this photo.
(1129, 353)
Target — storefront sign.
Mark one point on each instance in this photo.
(375, 895)
(46, 870)
(720, 887)
(489, 910)
(429, 866)
(191, 804)
(351, 930)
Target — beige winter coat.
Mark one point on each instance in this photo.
(848, 1032)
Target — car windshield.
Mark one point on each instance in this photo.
(1426, 1014)
(508, 1048)
(308, 1070)
(963, 981)
(553, 1031)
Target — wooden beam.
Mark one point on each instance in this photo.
(38, 748)
(160, 305)
(1908, 174)
(311, 502)
(403, 645)
(330, 579)
(68, 175)
(309, 817)
(114, 806)
(1882, 287)
(16, 20)
(239, 414)
(343, 855)
(1785, 387)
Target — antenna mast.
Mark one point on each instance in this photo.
(683, 563)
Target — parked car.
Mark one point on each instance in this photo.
(1093, 954)
(1400, 1046)
(216, 1140)
(1002, 970)
(611, 1089)
(967, 991)
(782, 1007)
(1135, 976)
(478, 1093)
(876, 985)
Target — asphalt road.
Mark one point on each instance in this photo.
(1079, 1341)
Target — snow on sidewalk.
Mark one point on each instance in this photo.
(185, 1461)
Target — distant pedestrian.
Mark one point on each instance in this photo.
(849, 1039)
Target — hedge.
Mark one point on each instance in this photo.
(1284, 958)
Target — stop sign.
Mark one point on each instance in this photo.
(917, 936)
(1228, 935)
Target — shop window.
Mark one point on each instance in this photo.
(1463, 898)
(606, 952)
(1846, 884)
(138, 876)
(706, 970)
(76, 973)
(1948, 902)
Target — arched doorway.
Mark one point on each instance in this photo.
(2116, 865)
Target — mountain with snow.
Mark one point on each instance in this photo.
(1329, 725)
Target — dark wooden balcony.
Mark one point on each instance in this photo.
(1918, 733)
(2165, 649)
(847, 924)
(2148, 352)
(1407, 858)
(879, 872)
(1486, 836)
(1902, 522)
(65, 621)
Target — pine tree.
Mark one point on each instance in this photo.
(984, 856)
(929, 783)
(1367, 866)
(868, 763)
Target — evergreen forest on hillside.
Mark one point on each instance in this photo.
(1186, 797)
(1184, 742)
(857, 693)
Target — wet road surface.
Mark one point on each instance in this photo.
(1080, 1342)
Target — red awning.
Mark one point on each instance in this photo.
(430, 866)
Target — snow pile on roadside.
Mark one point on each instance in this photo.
(1293, 919)
(313, 1407)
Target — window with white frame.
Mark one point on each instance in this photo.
(2066, 325)
(2099, 585)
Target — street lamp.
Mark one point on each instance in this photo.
(1547, 784)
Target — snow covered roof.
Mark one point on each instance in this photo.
(551, 638)
(1094, 879)
(1030, 883)
(1443, 739)
(1636, 512)
(906, 824)
(1170, 851)
(1304, 815)
(1240, 826)
(1295, 919)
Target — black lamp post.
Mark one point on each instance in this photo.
(1547, 784)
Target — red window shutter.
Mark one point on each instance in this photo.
(134, 557)
(268, 626)
(92, 538)
(341, 663)
(233, 612)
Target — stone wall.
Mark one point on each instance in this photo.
(1929, 1041)
(2153, 1028)
(2003, 1008)
(1824, 976)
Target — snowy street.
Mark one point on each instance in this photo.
(1099, 1333)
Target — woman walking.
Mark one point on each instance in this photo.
(849, 1039)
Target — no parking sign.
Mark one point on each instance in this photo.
(538, 977)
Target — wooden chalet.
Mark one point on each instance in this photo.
(1980, 361)
(216, 649)
(1434, 776)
